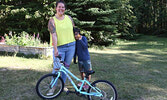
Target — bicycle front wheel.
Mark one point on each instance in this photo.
(44, 87)
(106, 88)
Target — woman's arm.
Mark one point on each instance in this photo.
(52, 30)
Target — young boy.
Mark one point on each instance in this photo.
(82, 52)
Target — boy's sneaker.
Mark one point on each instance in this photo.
(65, 89)
(51, 91)
(86, 87)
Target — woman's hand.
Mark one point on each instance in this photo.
(56, 52)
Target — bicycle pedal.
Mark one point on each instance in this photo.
(67, 93)
(70, 92)
(83, 95)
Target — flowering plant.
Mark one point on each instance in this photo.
(24, 40)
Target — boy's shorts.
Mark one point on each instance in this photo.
(84, 66)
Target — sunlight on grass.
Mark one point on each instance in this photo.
(110, 51)
(22, 64)
(136, 68)
(155, 43)
(154, 88)
(156, 93)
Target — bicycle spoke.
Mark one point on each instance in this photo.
(105, 88)
(44, 89)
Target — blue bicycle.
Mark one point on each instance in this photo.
(98, 90)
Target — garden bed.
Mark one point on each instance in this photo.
(46, 51)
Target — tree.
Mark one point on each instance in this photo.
(25, 15)
(151, 15)
(103, 18)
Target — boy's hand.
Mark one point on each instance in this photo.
(80, 37)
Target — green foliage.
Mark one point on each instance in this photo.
(126, 20)
(26, 15)
(104, 19)
(151, 15)
(24, 40)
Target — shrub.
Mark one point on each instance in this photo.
(24, 40)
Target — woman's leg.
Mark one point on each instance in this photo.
(68, 58)
(62, 50)
(66, 52)
(69, 54)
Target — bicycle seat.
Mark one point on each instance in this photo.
(90, 72)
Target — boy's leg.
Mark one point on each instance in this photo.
(81, 69)
(82, 75)
(87, 67)
(89, 78)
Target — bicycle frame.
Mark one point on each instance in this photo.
(68, 74)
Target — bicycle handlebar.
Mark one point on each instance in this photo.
(65, 64)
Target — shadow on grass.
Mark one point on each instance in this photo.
(3, 53)
(147, 42)
(19, 84)
(136, 76)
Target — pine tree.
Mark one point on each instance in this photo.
(103, 18)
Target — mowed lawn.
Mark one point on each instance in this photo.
(138, 69)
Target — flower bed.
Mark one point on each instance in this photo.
(46, 51)
(9, 48)
(26, 44)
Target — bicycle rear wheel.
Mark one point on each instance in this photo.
(43, 86)
(106, 88)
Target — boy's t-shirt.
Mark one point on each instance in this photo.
(82, 49)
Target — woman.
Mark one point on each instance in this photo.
(61, 29)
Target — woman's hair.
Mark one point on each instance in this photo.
(60, 1)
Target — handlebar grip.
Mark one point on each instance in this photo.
(59, 57)
(65, 64)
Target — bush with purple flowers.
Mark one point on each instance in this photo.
(24, 40)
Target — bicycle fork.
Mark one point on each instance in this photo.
(54, 80)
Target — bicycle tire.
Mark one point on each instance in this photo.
(43, 86)
(106, 88)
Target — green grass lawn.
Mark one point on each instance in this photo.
(138, 69)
